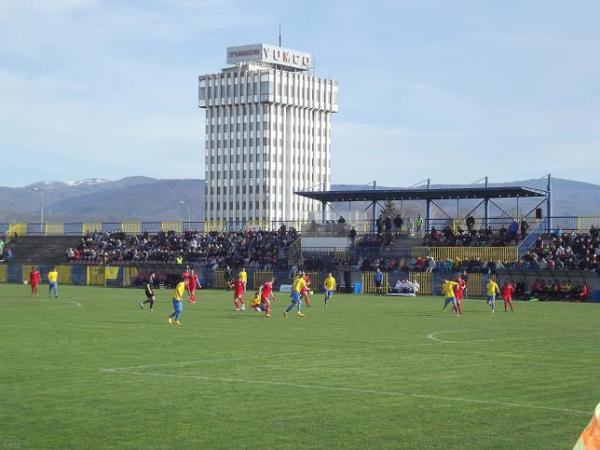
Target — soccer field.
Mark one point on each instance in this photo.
(92, 370)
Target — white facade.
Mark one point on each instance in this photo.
(268, 134)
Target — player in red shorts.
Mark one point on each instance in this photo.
(507, 292)
(193, 284)
(238, 294)
(34, 280)
(305, 290)
(459, 294)
(266, 294)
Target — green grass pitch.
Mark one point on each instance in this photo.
(92, 370)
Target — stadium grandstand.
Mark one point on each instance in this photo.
(532, 249)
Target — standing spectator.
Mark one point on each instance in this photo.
(430, 264)
(352, 235)
(513, 229)
(341, 220)
(227, 277)
(379, 224)
(348, 280)
(411, 226)
(1, 247)
(53, 283)
(419, 224)
(398, 223)
(524, 228)
(388, 225)
(470, 223)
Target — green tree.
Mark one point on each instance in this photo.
(389, 209)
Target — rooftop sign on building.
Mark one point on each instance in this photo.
(270, 54)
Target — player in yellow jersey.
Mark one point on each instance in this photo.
(255, 302)
(178, 301)
(298, 284)
(329, 284)
(492, 289)
(53, 283)
(450, 297)
(243, 277)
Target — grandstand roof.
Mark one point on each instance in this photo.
(454, 193)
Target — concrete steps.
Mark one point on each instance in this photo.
(42, 249)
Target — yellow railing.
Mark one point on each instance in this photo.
(368, 282)
(585, 223)
(131, 227)
(54, 228)
(16, 229)
(261, 276)
(91, 227)
(468, 253)
(171, 226)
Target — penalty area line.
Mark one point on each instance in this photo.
(356, 390)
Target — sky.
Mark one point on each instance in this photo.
(451, 91)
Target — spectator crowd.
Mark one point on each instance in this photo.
(256, 249)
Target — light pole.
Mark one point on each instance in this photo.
(41, 209)
(181, 202)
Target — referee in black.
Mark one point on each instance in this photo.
(149, 293)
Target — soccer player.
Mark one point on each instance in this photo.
(379, 282)
(193, 284)
(178, 302)
(243, 277)
(306, 290)
(492, 290)
(255, 302)
(34, 280)
(149, 293)
(507, 292)
(459, 292)
(53, 283)
(186, 275)
(266, 294)
(238, 294)
(329, 284)
(299, 283)
(448, 289)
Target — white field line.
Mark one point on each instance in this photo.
(433, 337)
(75, 304)
(233, 357)
(354, 390)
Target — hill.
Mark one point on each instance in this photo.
(149, 199)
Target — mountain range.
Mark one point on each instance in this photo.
(148, 199)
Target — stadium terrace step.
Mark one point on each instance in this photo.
(42, 249)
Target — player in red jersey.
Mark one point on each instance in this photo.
(193, 284)
(459, 292)
(186, 275)
(266, 294)
(305, 290)
(238, 294)
(34, 281)
(507, 292)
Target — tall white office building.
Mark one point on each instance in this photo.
(268, 134)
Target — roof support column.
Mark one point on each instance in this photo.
(428, 216)
(549, 205)
(323, 212)
(486, 209)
